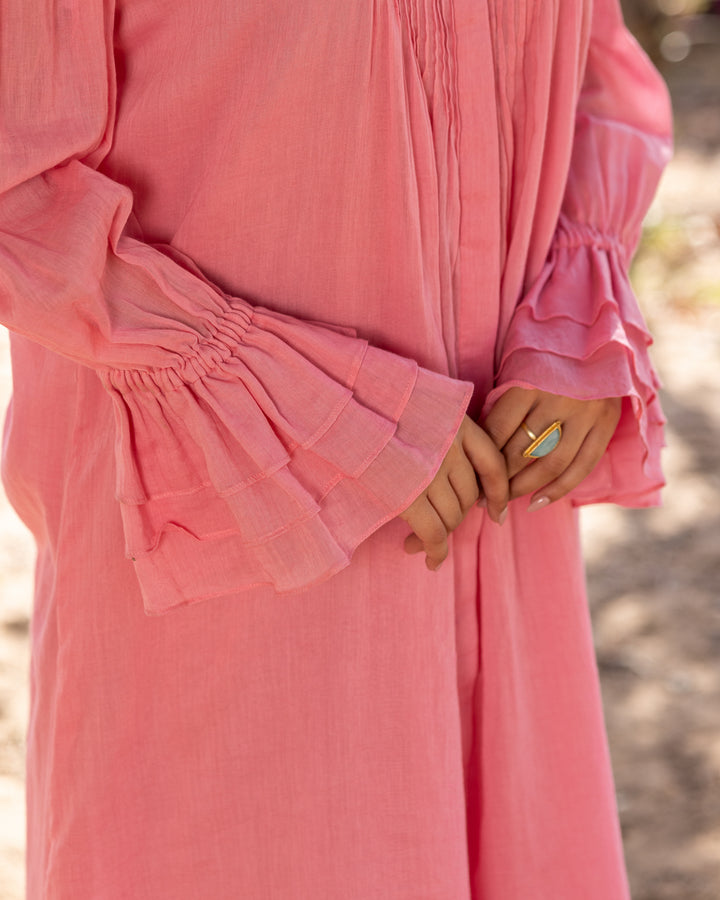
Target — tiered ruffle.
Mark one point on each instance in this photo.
(267, 457)
(579, 333)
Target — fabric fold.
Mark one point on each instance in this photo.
(579, 333)
(269, 460)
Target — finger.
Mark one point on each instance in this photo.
(549, 468)
(465, 484)
(489, 464)
(431, 531)
(442, 496)
(413, 544)
(537, 420)
(582, 465)
(505, 417)
(436, 554)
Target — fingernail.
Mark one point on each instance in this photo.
(502, 516)
(482, 502)
(538, 503)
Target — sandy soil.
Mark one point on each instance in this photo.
(654, 575)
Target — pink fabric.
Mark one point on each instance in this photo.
(258, 260)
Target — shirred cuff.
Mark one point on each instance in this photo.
(271, 455)
(579, 333)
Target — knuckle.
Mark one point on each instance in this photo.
(470, 499)
(495, 488)
(497, 463)
(455, 519)
(436, 534)
(496, 427)
(498, 488)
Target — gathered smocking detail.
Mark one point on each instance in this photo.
(283, 452)
(222, 335)
(574, 234)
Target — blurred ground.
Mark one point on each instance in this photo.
(16, 561)
(654, 575)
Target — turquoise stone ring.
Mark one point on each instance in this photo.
(544, 443)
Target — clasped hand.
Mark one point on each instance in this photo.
(485, 464)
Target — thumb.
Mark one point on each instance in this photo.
(489, 464)
(507, 413)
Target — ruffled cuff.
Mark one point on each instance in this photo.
(579, 333)
(270, 455)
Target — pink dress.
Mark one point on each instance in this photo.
(258, 259)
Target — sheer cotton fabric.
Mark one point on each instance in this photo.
(258, 261)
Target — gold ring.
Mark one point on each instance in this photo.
(530, 434)
(542, 444)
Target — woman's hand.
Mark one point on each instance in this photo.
(445, 502)
(587, 427)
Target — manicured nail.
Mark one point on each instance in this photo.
(502, 516)
(538, 503)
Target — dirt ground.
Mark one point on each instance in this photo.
(654, 575)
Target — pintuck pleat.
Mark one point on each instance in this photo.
(259, 260)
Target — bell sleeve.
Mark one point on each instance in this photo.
(252, 447)
(578, 331)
